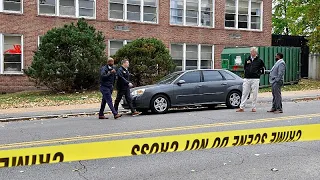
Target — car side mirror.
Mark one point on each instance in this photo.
(181, 82)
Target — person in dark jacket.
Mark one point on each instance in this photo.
(123, 87)
(253, 68)
(107, 78)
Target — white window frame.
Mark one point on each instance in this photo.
(125, 42)
(13, 12)
(57, 8)
(199, 15)
(249, 18)
(184, 56)
(125, 13)
(2, 55)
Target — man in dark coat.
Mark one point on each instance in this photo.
(107, 78)
(123, 87)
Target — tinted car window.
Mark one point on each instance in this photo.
(191, 77)
(227, 75)
(211, 76)
(170, 78)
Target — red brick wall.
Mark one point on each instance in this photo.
(31, 25)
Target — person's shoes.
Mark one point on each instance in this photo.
(103, 117)
(117, 116)
(271, 110)
(254, 110)
(240, 110)
(278, 111)
(136, 113)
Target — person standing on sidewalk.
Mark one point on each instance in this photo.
(123, 87)
(107, 78)
(253, 68)
(276, 79)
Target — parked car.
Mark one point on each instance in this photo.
(189, 88)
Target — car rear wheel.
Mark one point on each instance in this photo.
(160, 104)
(233, 99)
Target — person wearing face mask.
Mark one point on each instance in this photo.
(107, 78)
(276, 78)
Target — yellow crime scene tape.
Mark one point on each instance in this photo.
(154, 145)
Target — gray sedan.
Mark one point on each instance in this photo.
(189, 88)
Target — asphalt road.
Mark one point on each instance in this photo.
(297, 160)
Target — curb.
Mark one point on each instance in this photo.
(32, 118)
(306, 99)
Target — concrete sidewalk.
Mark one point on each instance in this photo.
(16, 114)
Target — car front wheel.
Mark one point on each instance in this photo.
(233, 99)
(160, 104)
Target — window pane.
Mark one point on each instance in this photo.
(67, 7)
(227, 75)
(191, 77)
(230, 14)
(243, 14)
(206, 13)
(86, 8)
(206, 57)
(176, 12)
(134, 2)
(255, 14)
(150, 14)
(211, 76)
(150, 3)
(192, 57)
(12, 5)
(177, 55)
(192, 52)
(12, 53)
(192, 12)
(47, 6)
(116, 1)
(176, 16)
(133, 12)
(115, 46)
(206, 64)
(116, 11)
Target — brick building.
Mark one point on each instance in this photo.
(195, 31)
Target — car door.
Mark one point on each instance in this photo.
(214, 87)
(189, 91)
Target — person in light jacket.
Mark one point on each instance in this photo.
(276, 78)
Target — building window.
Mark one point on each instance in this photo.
(190, 56)
(134, 10)
(115, 45)
(206, 57)
(177, 55)
(243, 14)
(11, 54)
(192, 12)
(14, 6)
(69, 8)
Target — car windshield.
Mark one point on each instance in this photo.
(170, 78)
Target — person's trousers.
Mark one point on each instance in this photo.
(276, 94)
(127, 94)
(249, 85)
(107, 98)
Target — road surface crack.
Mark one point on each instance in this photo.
(81, 173)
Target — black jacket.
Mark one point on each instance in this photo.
(123, 78)
(106, 77)
(253, 69)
